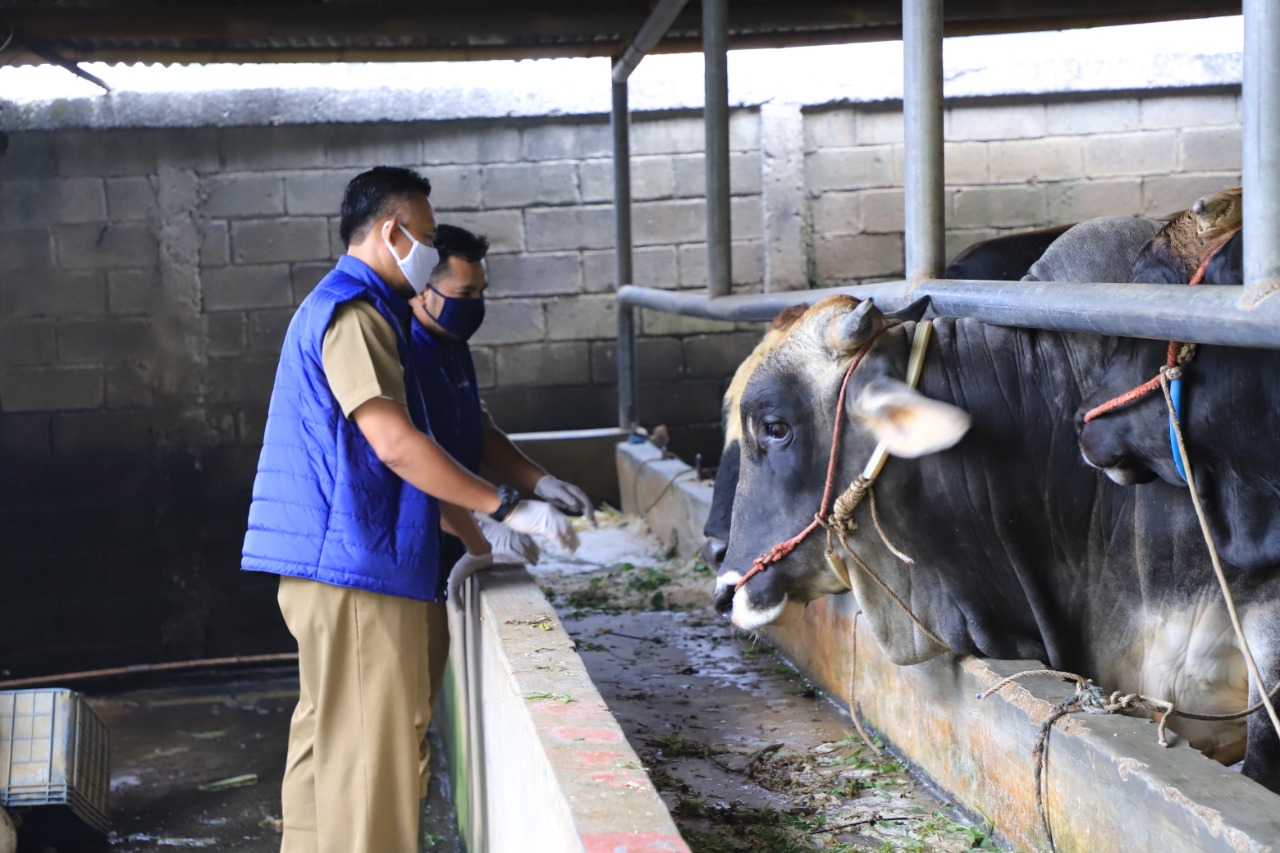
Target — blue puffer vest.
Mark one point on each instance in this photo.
(324, 506)
(447, 377)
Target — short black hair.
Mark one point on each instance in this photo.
(374, 194)
(452, 240)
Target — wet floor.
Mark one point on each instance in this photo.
(197, 765)
(748, 756)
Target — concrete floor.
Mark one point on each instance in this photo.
(168, 741)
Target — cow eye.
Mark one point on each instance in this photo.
(775, 431)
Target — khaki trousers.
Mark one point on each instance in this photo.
(357, 747)
(432, 676)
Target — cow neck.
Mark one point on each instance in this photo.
(842, 511)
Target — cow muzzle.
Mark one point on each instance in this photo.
(735, 603)
(1102, 446)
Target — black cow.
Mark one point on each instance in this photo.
(1230, 404)
(1020, 550)
(1004, 258)
(1226, 266)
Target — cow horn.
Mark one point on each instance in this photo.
(912, 313)
(847, 333)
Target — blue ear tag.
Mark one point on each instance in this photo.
(1175, 394)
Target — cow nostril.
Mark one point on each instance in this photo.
(713, 551)
(724, 599)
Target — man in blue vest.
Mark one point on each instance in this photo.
(348, 504)
(449, 311)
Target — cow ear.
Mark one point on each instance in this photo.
(847, 333)
(909, 423)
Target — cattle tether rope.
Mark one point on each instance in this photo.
(1178, 355)
(1089, 698)
(782, 549)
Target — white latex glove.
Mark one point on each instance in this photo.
(565, 497)
(466, 566)
(509, 546)
(542, 519)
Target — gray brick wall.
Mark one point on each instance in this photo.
(146, 282)
(1011, 165)
(147, 278)
(82, 238)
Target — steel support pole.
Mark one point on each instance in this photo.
(626, 351)
(1261, 167)
(922, 133)
(715, 41)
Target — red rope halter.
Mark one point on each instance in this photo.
(782, 549)
(1171, 360)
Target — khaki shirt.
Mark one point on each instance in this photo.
(360, 357)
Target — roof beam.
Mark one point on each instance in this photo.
(277, 31)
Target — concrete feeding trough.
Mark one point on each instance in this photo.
(1108, 784)
(556, 765)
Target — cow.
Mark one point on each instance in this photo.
(1019, 549)
(1233, 458)
(1172, 255)
(1101, 249)
(1004, 258)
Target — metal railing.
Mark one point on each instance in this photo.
(1220, 315)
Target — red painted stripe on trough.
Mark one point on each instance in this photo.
(620, 778)
(592, 758)
(597, 734)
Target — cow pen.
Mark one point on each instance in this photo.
(567, 753)
(1110, 781)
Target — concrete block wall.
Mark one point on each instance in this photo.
(1012, 164)
(147, 277)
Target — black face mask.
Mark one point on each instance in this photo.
(459, 317)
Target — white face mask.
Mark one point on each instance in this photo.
(418, 264)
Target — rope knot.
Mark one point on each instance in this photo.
(1090, 698)
(841, 518)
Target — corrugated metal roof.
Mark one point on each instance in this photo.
(396, 30)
